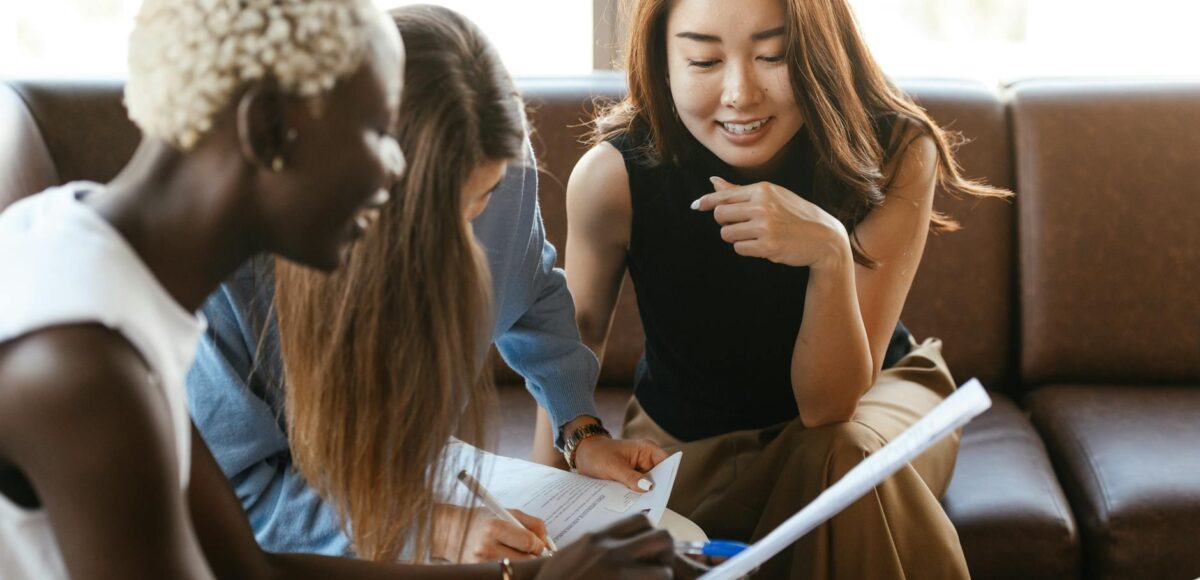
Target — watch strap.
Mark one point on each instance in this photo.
(578, 436)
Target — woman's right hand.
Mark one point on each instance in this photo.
(630, 548)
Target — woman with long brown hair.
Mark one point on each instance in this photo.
(382, 361)
(330, 413)
(770, 191)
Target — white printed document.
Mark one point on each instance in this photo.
(959, 408)
(571, 504)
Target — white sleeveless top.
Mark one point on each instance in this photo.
(64, 264)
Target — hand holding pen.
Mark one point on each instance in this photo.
(536, 527)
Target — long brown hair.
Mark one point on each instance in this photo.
(843, 95)
(385, 360)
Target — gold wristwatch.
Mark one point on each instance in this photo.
(577, 436)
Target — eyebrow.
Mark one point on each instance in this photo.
(760, 35)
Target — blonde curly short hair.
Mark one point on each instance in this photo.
(188, 57)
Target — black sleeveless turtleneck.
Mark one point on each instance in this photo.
(720, 328)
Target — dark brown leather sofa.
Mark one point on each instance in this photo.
(1078, 304)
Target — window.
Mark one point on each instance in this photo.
(1009, 39)
(555, 42)
(996, 40)
(65, 38)
(88, 38)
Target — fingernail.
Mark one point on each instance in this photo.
(713, 179)
(644, 484)
(696, 204)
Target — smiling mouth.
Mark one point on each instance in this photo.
(744, 128)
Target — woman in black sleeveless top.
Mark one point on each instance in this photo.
(770, 191)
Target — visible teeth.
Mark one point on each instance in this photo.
(737, 129)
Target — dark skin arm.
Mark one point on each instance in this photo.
(81, 419)
(84, 424)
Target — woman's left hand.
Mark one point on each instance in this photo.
(625, 461)
(765, 220)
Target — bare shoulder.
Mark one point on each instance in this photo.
(600, 177)
(598, 193)
(75, 387)
(913, 168)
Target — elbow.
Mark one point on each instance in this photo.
(835, 402)
(820, 415)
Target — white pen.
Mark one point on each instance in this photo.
(498, 510)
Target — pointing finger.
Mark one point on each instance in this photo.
(719, 184)
(724, 192)
(717, 198)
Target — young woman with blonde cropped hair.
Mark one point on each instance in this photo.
(770, 191)
(267, 128)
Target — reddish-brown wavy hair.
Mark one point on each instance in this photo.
(843, 95)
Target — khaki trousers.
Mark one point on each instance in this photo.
(742, 485)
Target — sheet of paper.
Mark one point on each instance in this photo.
(571, 504)
(959, 408)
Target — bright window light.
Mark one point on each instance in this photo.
(993, 40)
(1003, 40)
(534, 37)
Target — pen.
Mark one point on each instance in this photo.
(494, 506)
(711, 548)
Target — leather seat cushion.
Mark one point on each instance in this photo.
(1127, 458)
(1011, 514)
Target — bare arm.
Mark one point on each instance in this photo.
(83, 421)
(599, 215)
(850, 311)
(895, 235)
(80, 417)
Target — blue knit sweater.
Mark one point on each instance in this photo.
(234, 388)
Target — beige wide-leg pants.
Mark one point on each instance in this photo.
(742, 485)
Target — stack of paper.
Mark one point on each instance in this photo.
(570, 504)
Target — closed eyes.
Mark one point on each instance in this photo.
(707, 64)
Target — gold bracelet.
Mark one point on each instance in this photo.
(506, 570)
(577, 436)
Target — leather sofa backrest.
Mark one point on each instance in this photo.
(965, 290)
(1109, 175)
(25, 162)
(84, 126)
(558, 111)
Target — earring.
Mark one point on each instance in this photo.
(289, 137)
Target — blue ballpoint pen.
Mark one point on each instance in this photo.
(711, 548)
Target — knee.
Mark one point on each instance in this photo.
(836, 448)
